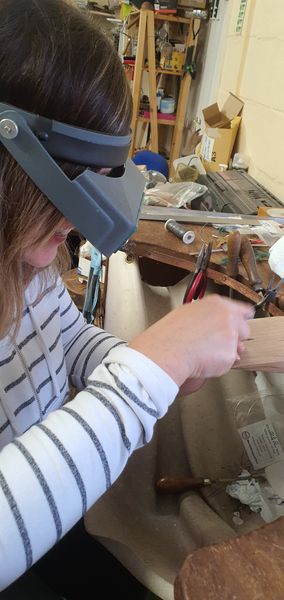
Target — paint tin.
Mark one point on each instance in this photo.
(167, 105)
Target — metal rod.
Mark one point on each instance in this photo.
(160, 213)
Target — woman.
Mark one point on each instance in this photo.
(57, 456)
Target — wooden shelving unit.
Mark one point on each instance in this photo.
(146, 48)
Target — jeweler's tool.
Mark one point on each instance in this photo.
(247, 257)
(233, 251)
(178, 485)
(239, 247)
(196, 286)
(270, 294)
(185, 235)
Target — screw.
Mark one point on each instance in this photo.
(8, 129)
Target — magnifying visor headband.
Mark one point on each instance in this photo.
(104, 209)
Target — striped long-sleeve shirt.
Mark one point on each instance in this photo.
(58, 456)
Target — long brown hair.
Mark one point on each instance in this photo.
(54, 62)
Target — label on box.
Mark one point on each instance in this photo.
(261, 444)
(207, 145)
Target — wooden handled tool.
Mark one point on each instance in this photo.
(247, 257)
(177, 485)
(239, 246)
(233, 252)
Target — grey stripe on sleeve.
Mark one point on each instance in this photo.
(44, 486)
(63, 386)
(125, 390)
(71, 324)
(60, 366)
(77, 337)
(121, 343)
(111, 408)
(19, 521)
(62, 292)
(70, 462)
(95, 441)
(90, 353)
(78, 355)
(49, 404)
(66, 309)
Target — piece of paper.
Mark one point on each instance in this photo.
(261, 444)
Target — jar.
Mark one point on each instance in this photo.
(167, 105)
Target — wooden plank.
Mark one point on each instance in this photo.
(264, 348)
(139, 63)
(182, 106)
(142, 133)
(152, 81)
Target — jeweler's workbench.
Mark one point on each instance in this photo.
(153, 241)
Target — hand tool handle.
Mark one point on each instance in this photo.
(177, 485)
(247, 257)
(233, 245)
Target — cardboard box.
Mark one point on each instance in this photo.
(221, 128)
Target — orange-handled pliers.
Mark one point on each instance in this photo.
(197, 283)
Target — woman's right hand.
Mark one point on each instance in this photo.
(198, 340)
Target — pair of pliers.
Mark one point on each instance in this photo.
(270, 294)
(197, 283)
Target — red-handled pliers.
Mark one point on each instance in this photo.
(197, 283)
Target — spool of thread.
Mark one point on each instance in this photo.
(183, 234)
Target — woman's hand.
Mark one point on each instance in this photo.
(198, 340)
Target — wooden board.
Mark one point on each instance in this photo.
(250, 567)
(264, 350)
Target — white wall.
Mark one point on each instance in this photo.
(253, 69)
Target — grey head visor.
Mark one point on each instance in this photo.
(105, 209)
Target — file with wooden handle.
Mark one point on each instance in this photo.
(233, 253)
(248, 259)
(178, 485)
